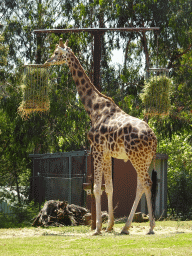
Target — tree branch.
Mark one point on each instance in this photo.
(177, 56)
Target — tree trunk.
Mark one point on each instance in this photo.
(144, 43)
(17, 188)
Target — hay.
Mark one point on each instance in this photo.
(156, 96)
(35, 89)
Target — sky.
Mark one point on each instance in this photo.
(117, 57)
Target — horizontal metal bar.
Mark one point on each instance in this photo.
(94, 30)
(161, 156)
(36, 65)
(157, 69)
(59, 154)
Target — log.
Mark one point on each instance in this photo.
(59, 213)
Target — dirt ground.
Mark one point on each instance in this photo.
(134, 230)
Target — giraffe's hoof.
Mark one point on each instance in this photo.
(151, 232)
(96, 233)
(109, 229)
(124, 232)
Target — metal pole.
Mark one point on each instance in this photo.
(70, 167)
(97, 59)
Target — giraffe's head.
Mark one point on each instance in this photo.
(60, 54)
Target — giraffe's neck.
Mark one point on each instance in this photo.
(94, 102)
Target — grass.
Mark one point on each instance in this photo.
(171, 238)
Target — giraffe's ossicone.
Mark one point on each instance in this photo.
(113, 133)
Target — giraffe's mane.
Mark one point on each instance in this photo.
(100, 94)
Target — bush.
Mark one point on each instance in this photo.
(179, 174)
(20, 216)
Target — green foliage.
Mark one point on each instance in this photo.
(3, 52)
(21, 216)
(179, 150)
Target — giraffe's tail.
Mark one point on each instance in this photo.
(153, 190)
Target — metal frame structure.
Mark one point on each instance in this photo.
(97, 33)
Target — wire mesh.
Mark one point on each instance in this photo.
(35, 89)
(156, 92)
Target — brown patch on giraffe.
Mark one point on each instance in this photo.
(102, 140)
(96, 106)
(83, 100)
(127, 137)
(113, 110)
(112, 146)
(89, 104)
(120, 131)
(89, 92)
(82, 81)
(134, 136)
(132, 142)
(80, 93)
(143, 132)
(97, 138)
(103, 129)
(90, 137)
(75, 66)
(79, 73)
(135, 130)
(126, 130)
(108, 103)
(77, 82)
(120, 141)
(102, 105)
(111, 138)
(145, 145)
(115, 136)
(136, 149)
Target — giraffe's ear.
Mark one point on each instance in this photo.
(66, 43)
(61, 42)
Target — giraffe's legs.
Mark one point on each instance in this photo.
(97, 189)
(142, 186)
(149, 205)
(139, 193)
(107, 169)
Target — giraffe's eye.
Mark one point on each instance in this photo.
(56, 53)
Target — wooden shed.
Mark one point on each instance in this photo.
(60, 176)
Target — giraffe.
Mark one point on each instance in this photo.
(113, 133)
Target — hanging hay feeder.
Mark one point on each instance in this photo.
(156, 94)
(35, 89)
